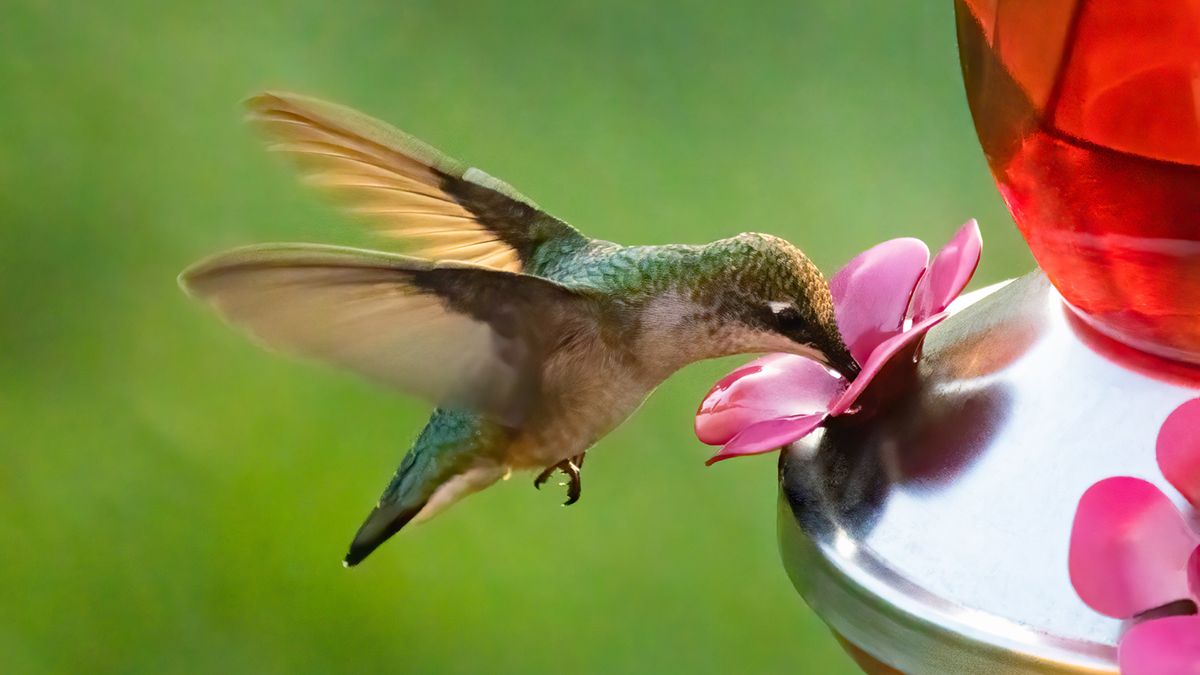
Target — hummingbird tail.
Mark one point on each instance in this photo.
(384, 521)
(449, 460)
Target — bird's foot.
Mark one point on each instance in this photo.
(571, 468)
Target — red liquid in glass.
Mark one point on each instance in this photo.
(1088, 115)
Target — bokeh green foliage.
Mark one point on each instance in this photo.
(174, 500)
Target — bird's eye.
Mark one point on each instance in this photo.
(787, 316)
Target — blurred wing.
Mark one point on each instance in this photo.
(440, 208)
(459, 335)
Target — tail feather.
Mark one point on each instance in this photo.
(452, 458)
(401, 501)
(384, 521)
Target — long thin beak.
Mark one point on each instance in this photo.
(840, 360)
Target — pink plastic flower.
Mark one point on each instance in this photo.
(1132, 552)
(1178, 450)
(886, 299)
(1129, 548)
(1167, 646)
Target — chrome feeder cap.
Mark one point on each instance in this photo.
(934, 536)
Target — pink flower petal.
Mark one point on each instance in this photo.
(1167, 646)
(872, 292)
(774, 386)
(767, 436)
(887, 368)
(1178, 450)
(949, 273)
(1129, 548)
(1193, 574)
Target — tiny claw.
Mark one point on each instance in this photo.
(570, 467)
(573, 493)
(543, 477)
(575, 486)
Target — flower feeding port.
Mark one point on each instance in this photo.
(1012, 484)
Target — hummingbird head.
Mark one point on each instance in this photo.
(778, 299)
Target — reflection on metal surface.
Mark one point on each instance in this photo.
(935, 536)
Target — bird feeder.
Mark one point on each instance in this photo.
(936, 536)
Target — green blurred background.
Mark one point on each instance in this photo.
(174, 500)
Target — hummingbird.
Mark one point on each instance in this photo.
(533, 340)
